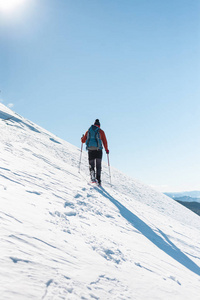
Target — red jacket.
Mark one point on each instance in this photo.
(102, 137)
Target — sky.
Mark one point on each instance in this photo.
(134, 64)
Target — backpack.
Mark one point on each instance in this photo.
(93, 141)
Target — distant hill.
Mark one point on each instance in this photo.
(186, 199)
(194, 206)
(193, 194)
(185, 196)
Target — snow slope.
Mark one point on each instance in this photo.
(62, 238)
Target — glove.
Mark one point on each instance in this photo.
(107, 151)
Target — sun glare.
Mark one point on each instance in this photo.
(8, 6)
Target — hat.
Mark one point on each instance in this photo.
(97, 122)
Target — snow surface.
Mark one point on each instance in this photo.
(62, 238)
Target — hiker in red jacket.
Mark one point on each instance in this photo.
(94, 138)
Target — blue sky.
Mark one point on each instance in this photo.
(134, 64)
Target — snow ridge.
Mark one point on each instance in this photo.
(64, 239)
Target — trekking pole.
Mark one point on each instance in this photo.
(79, 168)
(109, 168)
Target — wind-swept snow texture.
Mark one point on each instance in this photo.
(64, 239)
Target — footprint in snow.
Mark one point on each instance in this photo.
(70, 213)
(16, 260)
(60, 215)
(140, 266)
(78, 196)
(69, 204)
(53, 140)
(33, 192)
(174, 279)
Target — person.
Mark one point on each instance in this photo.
(95, 139)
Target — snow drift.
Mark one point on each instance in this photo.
(61, 238)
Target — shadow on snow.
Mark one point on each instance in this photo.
(13, 119)
(162, 242)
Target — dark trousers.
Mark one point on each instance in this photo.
(95, 158)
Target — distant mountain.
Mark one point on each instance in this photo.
(186, 199)
(193, 196)
(193, 206)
